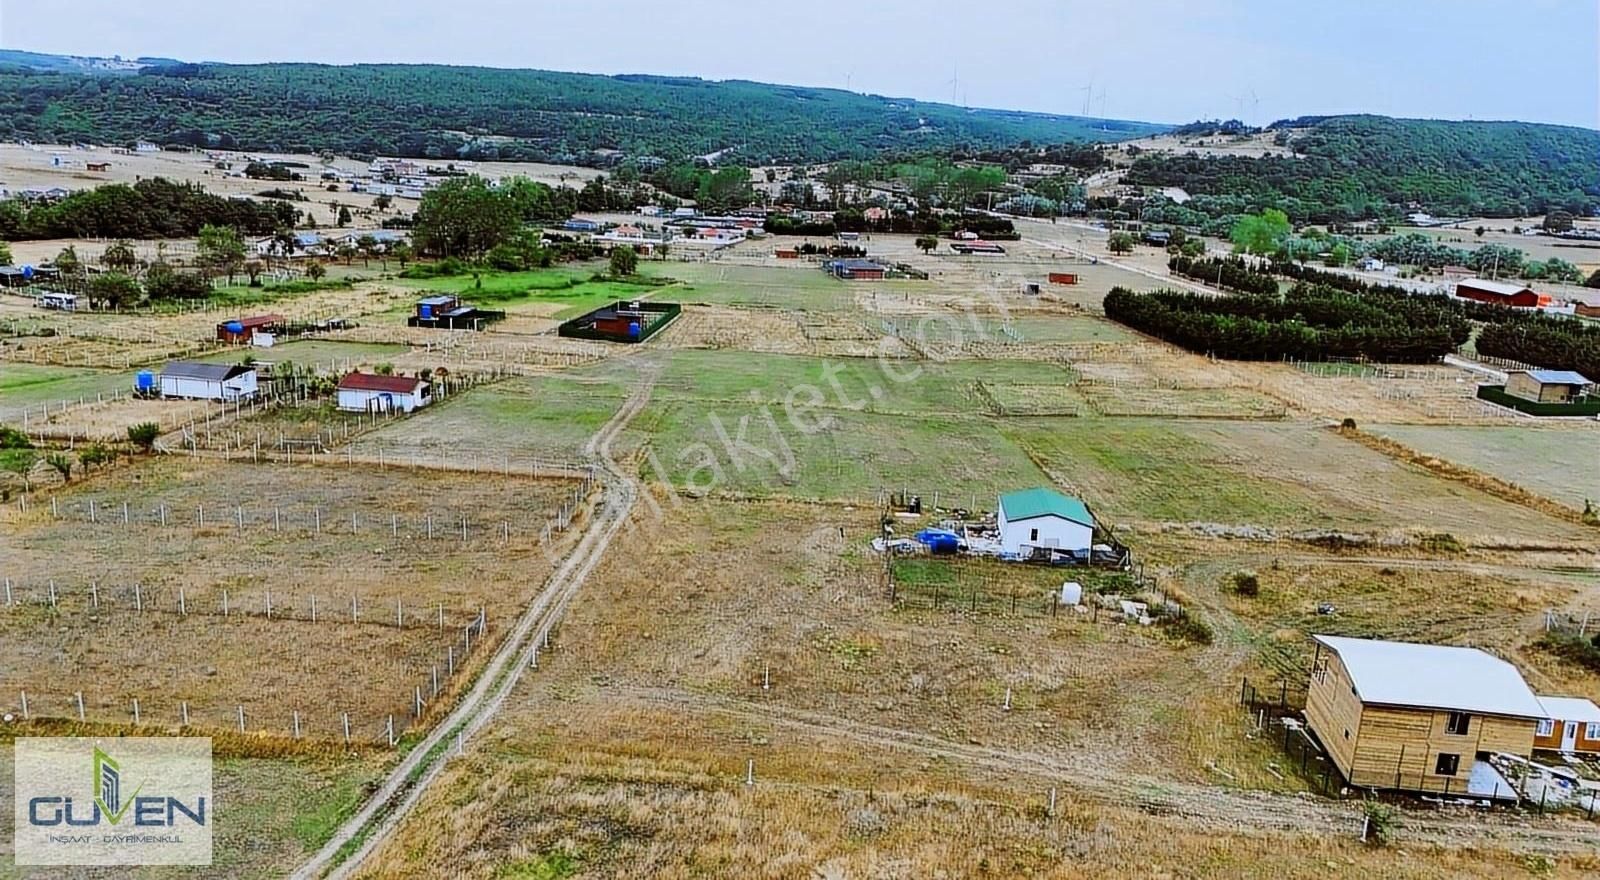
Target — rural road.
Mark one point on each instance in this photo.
(405, 784)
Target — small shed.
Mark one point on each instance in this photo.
(372, 392)
(199, 381)
(1572, 724)
(1043, 518)
(1546, 386)
(241, 330)
(857, 270)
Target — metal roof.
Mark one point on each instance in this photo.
(1501, 287)
(1557, 377)
(1434, 677)
(1030, 503)
(436, 300)
(204, 372)
(1570, 709)
(376, 382)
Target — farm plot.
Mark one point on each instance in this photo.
(548, 293)
(1187, 403)
(716, 283)
(546, 417)
(30, 387)
(327, 356)
(334, 531)
(1556, 461)
(1292, 476)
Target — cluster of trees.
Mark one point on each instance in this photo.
(1371, 167)
(715, 191)
(1228, 273)
(154, 208)
(1552, 343)
(477, 113)
(1307, 323)
(469, 217)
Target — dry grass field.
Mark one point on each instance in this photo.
(1556, 461)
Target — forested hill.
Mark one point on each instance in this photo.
(438, 111)
(1361, 167)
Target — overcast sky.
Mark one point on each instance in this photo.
(1155, 60)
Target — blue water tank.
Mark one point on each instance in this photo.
(234, 327)
(633, 330)
(426, 310)
(27, 272)
(145, 381)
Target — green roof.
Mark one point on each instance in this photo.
(1030, 503)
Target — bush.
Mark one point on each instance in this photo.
(144, 434)
(1380, 823)
(1247, 584)
(1187, 627)
(1573, 648)
(11, 438)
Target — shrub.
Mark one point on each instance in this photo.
(1247, 584)
(144, 435)
(1573, 648)
(11, 438)
(1187, 627)
(1380, 823)
(1441, 542)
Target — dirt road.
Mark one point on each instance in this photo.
(372, 825)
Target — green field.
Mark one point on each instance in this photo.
(1557, 462)
(566, 291)
(546, 417)
(27, 386)
(1267, 474)
(799, 287)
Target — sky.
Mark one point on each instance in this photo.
(1153, 60)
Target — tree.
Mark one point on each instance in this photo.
(220, 249)
(144, 435)
(94, 454)
(1479, 231)
(1260, 233)
(401, 251)
(1339, 256)
(344, 216)
(1557, 269)
(1558, 221)
(464, 217)
(382, 202)
(5, 253)
(1594, 279)
(114, 290)
(927, 243)
(367, 245)
(1120, 243)
(624, 261)
(346, 251)
(120, 256)
(315, 271)
(70, 267)
(253, 269)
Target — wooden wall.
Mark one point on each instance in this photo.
(1333, 711)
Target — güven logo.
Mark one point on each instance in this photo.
(130, 801)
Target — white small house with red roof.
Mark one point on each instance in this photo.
(372, 392)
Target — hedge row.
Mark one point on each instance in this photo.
(1552, 343)
(1228, 273)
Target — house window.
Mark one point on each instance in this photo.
(1033, 534)
(1457, 723)
(1546, 727)
(1591, 730)
(1447, 765)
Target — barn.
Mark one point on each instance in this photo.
(1413, 717)
(1572, 724)
(371, 392)
(1500, 293)
(857, 270)
(198, 381)
(1044, 519)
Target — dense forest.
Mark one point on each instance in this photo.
(484, 113)
(1371, 167)
(153, 208)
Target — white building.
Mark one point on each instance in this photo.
(197, 381)
(1044, 518)
(370, 392)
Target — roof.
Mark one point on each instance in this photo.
(375, 382)
(859, 266)
(1434, 677)
(437, 301)
(255, 321)
(1500, 287)
(1570, 709)
(1555, 377)
(204, 372)
(1030, 503)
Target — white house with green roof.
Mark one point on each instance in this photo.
(1044, 518)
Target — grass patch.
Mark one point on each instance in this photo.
(572, 290)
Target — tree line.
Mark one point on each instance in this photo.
(1306, 323)
(1228, 273)
(153, 208)
(1549, 342)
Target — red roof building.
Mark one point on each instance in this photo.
(1500, 293)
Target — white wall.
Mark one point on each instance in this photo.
(241, 386)
(1052, 531)
(354, 400)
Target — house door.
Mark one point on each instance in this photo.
(1569, 736)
